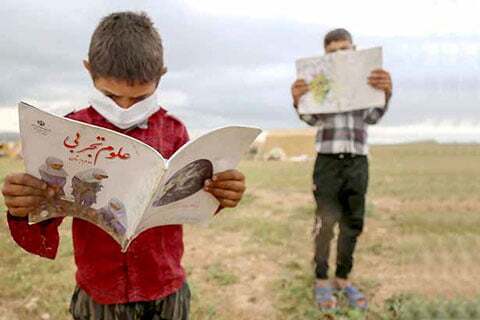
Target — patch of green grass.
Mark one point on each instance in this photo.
(447, 249)
(419, 171)
(268, 232)
(304, 213)
(370, 210)
(278, 176)
(260, 230)
(295, 301)
(220, 275)
(31, 276)
(376, 249)
(413, 307)
(200, 308)
(295, 298)
(294, 294)
(441, 222)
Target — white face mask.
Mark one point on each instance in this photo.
(122, 118)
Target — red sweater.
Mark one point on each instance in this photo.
(151, 268)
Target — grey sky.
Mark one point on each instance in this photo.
(226, 68)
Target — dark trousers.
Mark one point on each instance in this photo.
(340, 185)
(173, 307)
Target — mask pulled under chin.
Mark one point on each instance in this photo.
(124, 118)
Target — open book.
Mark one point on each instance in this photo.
(121, 184)
(338, 81)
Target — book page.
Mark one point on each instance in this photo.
(180, 198)
(338, 81)
(99, 175)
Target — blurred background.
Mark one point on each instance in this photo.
(232, 62)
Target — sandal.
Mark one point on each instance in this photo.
(325, 299)
(354, 296)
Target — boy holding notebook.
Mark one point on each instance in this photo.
(340, 179)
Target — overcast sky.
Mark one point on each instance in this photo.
(233, 61)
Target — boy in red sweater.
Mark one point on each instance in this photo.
(125, 61)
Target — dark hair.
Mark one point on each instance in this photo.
(339, 34)
(126, 46)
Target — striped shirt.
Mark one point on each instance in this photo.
(344, 132)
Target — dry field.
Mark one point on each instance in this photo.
(417, 259)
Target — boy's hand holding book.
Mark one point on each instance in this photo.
(228, 187)
(299, 88)
(380, 79)
(23, 193)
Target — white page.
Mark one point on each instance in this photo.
(181, 198)
(131, 179)
(338, 81)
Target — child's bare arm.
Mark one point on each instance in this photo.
(228, 187)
